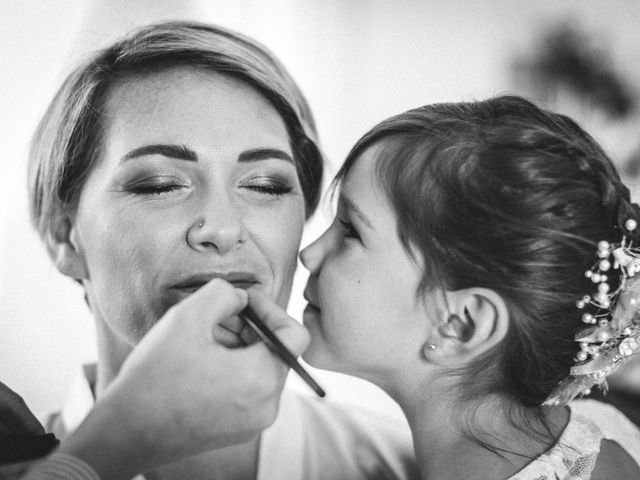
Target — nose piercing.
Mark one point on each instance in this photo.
(201, 224)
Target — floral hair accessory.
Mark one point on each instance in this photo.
(613, 334)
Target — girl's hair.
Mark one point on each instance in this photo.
(504, 195)
(67, 143)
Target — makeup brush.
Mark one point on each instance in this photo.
(274, 343)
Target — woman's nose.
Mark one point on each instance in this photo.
(220, 232)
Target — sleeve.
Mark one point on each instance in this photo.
(61, 466)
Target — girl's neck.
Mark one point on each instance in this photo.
(445, 449)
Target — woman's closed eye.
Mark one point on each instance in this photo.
(267, 186)
(156, 185)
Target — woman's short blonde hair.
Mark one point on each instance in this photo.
(68, 141)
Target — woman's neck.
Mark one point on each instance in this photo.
(236, 461)
(445, 449)
(112, 352)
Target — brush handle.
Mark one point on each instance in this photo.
(278, 347)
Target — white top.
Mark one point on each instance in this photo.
(311, 439)
(574, 454)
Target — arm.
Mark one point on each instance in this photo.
(182, 392)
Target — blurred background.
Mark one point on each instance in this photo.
(357, 61)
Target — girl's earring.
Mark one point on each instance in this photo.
(428, 349)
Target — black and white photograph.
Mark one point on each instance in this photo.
(320, 240)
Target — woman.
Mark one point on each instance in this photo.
(450, 276)
(180, 154)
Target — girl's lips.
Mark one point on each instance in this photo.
(311, 316)
(311, 308)
(307, 297)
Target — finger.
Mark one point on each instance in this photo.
(249, 335)
(212, 304)
(229, 332)
(235, 332)
(294, 336)
(234, 324)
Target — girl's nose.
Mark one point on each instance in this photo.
(313, 255)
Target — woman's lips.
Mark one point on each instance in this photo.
(237, 283)
(175, 293)
(192, 283)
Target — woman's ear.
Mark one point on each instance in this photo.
(63, 247)
(477, 321)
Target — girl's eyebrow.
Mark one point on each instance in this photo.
(350, 205)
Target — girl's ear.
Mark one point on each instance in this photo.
(64, 247)
(478, 320)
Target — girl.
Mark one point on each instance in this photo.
(450, 276)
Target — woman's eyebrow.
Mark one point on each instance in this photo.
(256, 154)
(180, 152)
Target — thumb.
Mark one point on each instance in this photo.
(294, 336)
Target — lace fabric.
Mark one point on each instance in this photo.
(574, 455)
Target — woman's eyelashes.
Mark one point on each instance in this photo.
(156, 185)
(267, 186)
(164, 184)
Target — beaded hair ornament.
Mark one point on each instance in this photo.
(613, 334)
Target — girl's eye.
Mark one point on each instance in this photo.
(268, 186)
(349, 230)
(155, 186)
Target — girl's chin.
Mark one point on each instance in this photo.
(319, 353)
(314, 353)
(319, 356)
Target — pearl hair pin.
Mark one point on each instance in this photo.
(613, 333)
